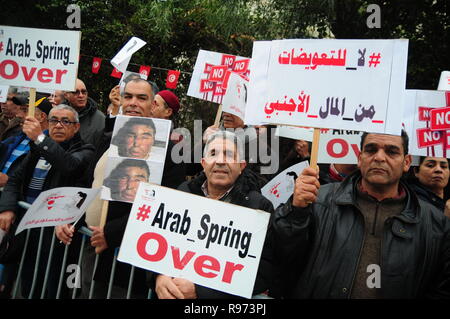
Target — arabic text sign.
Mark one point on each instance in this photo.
(39, 58)
(341, 84)
(211, 72)
(209, 242)
(57, 206)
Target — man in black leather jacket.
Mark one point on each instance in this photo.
(369, 236)
(225, 178)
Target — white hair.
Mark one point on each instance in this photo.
(65, 107)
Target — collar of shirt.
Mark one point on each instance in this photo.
(205, 191)
(401, 193)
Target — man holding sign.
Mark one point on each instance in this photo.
(53, 161)
(224, 178)
(369, 236)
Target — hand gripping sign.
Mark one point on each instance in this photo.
(209, 242)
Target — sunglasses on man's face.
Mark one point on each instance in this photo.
(78, 92)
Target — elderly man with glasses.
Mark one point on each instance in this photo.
(56, 159)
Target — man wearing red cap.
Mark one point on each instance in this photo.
(165, 105)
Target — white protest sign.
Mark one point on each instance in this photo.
(211, 72)
(281, 187)
(3, 93)
(295, 133)
(424, 140)
(122, 58)
(257, 91)
(209, 242)
(339, 147)
(57, 206)
(235, 96)
(39, 58)
(341, 84)
(137, 154)
(444, 81)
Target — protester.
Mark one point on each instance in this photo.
(14, 149)
(137, 100)
(55, 160)
(10, 125)
(369, 236)
(57, 98)
(429, 179)
(260, 155)
(92, 120)
(224, 178)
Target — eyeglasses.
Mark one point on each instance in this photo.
(78, 92)
(63, 122)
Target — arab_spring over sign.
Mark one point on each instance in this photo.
(39, 58)
(209, 242)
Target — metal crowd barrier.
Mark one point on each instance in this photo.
(86, 233)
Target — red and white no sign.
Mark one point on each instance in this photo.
(440, 119)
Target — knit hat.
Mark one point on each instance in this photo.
(171, 100)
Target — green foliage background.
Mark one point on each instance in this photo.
(176, 29)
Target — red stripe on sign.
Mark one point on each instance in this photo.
(378, 122)
(313, 116)
(447, 98)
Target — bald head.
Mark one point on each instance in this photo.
(78, 98)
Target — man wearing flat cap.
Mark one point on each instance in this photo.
(14, 148)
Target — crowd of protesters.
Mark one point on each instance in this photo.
(341, 218)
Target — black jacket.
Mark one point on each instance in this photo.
(425, 194)
(69, 160)
(92, 122)
(246, 192)
(318, 247)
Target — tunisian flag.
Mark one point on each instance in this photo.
(145, 70)
(172, 79)
(116, 73)
(96, 63)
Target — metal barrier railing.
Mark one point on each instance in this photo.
(86, 233)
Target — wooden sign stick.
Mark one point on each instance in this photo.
(32, 102)
(315, 149)
(104, 213)
(218, 116)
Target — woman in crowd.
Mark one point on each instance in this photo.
(429, 180)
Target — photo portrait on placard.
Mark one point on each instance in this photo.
(140, 138)
(122, 177)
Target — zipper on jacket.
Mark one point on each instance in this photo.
(359, 256)
(374, 226)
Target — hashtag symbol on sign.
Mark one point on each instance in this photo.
(374, 59)
(144, 212)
